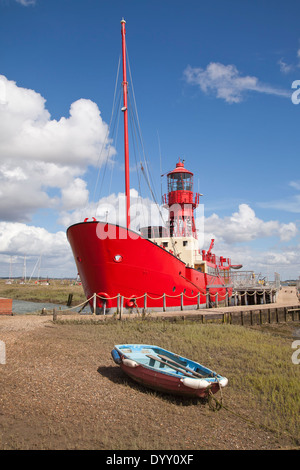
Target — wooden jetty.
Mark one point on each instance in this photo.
(254, 295)
(285, 308)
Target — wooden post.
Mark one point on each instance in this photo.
(94, 304)
(69, 300)
(121, 306)
(164, 302)
(54, 314)
(207, 298)
(118, 304)
(181, 301)
(216, 299)
(198, 300)
(145, 303)
(225, 317)
(242, 318)
(226, 298)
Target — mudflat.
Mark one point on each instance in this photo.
(61, 390)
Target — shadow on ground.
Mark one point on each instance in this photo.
(117, 376)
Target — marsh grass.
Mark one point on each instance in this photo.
(257, 363)
(63, 390)
(57, 292)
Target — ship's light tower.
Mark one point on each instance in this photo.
(181, 202)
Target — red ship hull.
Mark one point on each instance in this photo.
(112, 260)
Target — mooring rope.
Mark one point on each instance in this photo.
(219, 405)
(211, 397)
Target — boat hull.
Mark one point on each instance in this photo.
(112, 260)
(165, 383)
(172, 382)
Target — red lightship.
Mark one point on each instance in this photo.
(165, 263)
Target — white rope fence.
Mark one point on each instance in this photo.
(140, 302)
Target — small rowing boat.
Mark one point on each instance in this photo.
(162, 370)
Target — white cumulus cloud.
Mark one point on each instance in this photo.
(20, 242)
(39, 153)
(227, 83)
(75, 195)
(243, 226)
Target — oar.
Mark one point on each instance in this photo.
(170, 365)
(165, 358)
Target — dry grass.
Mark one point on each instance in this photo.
(57, 292)
(61, 389)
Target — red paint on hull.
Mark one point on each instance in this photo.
(127, 264)
(164, 382)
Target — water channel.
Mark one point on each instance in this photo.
(24, 306)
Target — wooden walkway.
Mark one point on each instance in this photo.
(286, 308)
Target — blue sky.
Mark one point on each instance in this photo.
(213, 85)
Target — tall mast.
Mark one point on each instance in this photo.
(125, 110)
